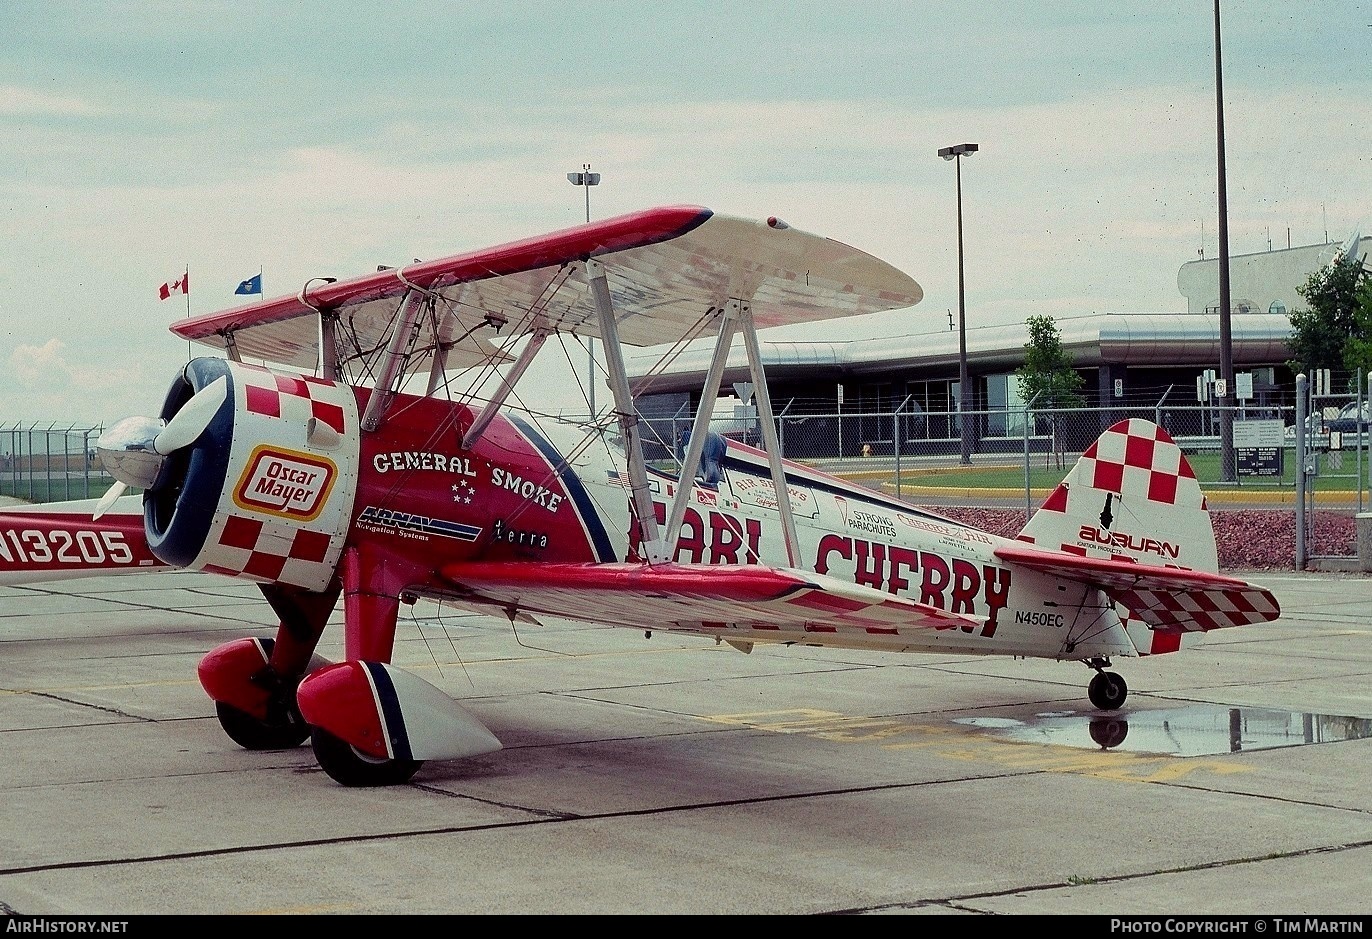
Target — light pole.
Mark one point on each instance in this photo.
(964, 425)
(586, 179)
(1227, 468)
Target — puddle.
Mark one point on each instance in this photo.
(1194, 730)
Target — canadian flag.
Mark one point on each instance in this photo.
(181, 285)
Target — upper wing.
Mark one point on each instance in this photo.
(669, 269)
(788, 604)
(1163, 597)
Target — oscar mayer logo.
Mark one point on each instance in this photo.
(285, 483)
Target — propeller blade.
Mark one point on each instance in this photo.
(195, 415)
(108, 499)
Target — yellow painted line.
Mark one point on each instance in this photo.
(972, 745)
(1282, 496)
(1273, 496)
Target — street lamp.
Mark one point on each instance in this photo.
(1227, 467)
(586, 179)
(964, 425)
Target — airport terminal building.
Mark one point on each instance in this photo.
(1133, 360)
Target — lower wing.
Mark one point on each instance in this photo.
(790, 605)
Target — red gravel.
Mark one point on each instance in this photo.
(1249, 539)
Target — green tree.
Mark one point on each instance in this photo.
(1357, 352)
(1047, 377)
(1335, 329)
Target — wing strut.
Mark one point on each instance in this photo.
(231, 346)
(699, 427)
(328, 345)
(436, 367)
(736, 313)
(769, 435)
(642, 501)
(402, 337)
(536, 340)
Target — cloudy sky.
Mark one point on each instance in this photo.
(323, 138)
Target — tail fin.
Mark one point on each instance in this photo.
(1132, 495)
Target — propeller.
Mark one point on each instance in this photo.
(132, 451)
(108, 499)
(195, 415)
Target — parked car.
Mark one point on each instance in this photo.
(1343, 421)
(1348, 421)
(1314, 427)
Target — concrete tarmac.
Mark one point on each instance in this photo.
(672, 776)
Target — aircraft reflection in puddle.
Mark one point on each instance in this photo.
(1195, 730)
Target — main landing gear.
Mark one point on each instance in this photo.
(282, 729)
(255, 703)
(349, 766)
(1107, 690)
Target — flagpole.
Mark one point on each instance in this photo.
(186, 289)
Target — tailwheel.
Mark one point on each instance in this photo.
(349, 766)
(1107, 691)
(282, 729)
(1109, 732)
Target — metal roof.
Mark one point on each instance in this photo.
(1143, 339)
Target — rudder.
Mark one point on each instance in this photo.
(1132, 495)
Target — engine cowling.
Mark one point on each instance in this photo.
(265, 492)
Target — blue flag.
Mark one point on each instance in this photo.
(251, 285)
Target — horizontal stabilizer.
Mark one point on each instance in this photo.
(697, 597)
(1163, 597)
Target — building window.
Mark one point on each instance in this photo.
(1277, 307)
(1014, 406)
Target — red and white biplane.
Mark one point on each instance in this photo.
(316, 476)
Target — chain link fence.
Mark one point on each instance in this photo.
(1036, 446)
(1017, 456)
(51, 462)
